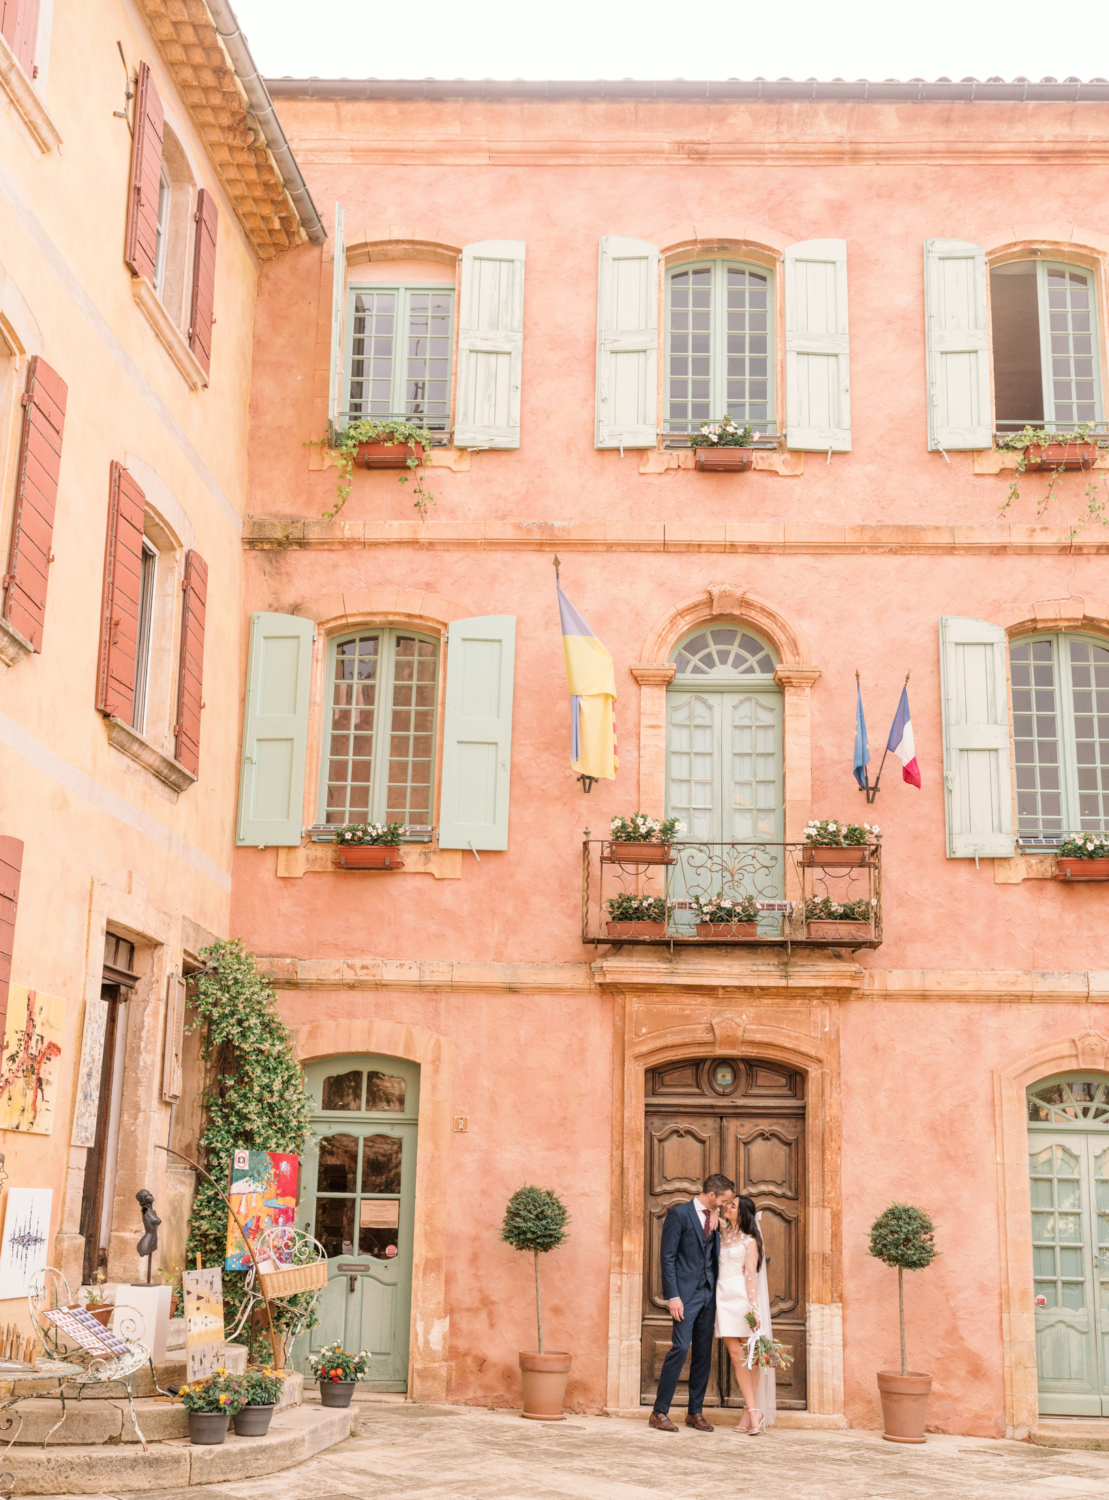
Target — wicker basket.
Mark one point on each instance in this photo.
(286, 1281)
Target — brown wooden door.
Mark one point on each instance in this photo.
(747, 1119)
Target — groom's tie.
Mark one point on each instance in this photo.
(708, 1232)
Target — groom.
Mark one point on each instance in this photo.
(690, 1254)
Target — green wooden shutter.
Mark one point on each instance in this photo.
(818, 385)
(627, 344)
(490, 345)
(477, 733)
(275, 730)
(335, 401)
(958, 345)
(978, 797)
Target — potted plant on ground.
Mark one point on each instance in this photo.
(725, 447)
(388, 443)
(640, 840)
(369, 846)
(337, 1372)
(828, 921)
(211, 1403)
(637, 916)
(1085, 857)
(830, 842)
(536, 1220)
(262, 1389)
(903, 1237)
(726, 916)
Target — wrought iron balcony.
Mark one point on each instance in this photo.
(804, 894)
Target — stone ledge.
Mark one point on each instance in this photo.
(726, 972)
(26, 102)
(995, 460)
(14, 645)
(172, 340)
(1023, 867)
(457, 460)
(788, 464)
(427, 974)
(139, 749)
(320, 859)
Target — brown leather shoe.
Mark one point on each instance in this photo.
(661, 1422)
(698, 1423)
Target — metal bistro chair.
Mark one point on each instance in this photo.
(49, 1292)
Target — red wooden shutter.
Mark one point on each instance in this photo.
(11, 862)
(190, 671)
(36, 494)
(19, 22)
(202, 316)
(146, 176)
(119, 624)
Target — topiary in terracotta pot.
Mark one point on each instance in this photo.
(903, 1237)
(536, 1220)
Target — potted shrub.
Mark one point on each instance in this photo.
(637, 916)
(828, 842)
(1043, 451)
(640, 840)
(536, 1220)
(97, 1303)
(211, 1403)
(262, 1389)
(385, 444)
(903, 1237)
(337, 1372)
(1085, 857)
(724, 447)
(828, 921)
(369, 846)
(726, 916)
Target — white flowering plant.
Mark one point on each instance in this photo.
(723, 908)
(626, 908)
(336, 1363)
(369, 833)
(824, 909)
(830, 832)
(1085, 846)
(640, 829)
(727, 433)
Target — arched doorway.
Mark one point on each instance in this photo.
(745, 1118)
(1068, 1148)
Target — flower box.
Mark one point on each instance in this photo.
(823, 931)
(370, 857)
(727, 929)
(388, 455)
(832, 854)
(1081, 869)
(636, 929)
(621, 853)
(1038, 458)
(716, 460)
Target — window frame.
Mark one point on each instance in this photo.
(720, 266)
(144, 632)
(165, 200)
(1050, 422)
(398, 377)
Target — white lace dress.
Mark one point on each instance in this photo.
(736, 1286)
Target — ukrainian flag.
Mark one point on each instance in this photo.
(592, 682)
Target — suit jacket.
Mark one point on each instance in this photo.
(689, 1260)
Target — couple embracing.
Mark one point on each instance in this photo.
(713, 1275)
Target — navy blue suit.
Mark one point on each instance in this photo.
(689, 1260)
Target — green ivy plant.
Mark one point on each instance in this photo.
(904, 1237)
(254, 1099)
(388, 430)
(1041, 437)
(535, 1220)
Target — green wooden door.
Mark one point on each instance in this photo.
(1068, 1142)
(359, 1201)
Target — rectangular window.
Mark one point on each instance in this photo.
(1060, 735)
(161, 233)
(147, 569)
(379, 760)
(399, 356)
(1045, 354)
(719, 346)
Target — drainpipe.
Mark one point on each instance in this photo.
(227, 25)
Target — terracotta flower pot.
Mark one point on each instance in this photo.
(1059, 456)
(103, 1315)
(384, 455)
(830, 854)
(727, 929)
(622, 853)
(208, 1427)
(369, 857)
(253, 1421)
(837, 931)
(714, 460)
(636, 929)
(904, 1405)
(336, 1392)
(1082, 869)
(544, 1378)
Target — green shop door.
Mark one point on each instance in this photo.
(359, 1201)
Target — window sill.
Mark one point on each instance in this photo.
(139, 749)
(455, 459)
(767, 461)
(1023, 867)
(14, 645)
(419, 859)
(995, 460)
(26, 102)
(169, 335)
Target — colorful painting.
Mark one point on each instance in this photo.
(203, 1321)
(263, 1193)
(29, 1066)
(26, 1235)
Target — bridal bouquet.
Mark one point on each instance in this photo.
(764, 1353)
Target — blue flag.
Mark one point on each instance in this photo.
(862, 749)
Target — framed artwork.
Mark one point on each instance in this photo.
(203, 1321)
(26, 1238)
(29, 1064)
(263, 1193)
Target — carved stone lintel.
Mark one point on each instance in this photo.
(728, 1032)
(14, 645)
(653, 673)
(1092, 1049)
(139, 749)
(726, 598)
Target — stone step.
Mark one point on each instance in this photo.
(123, 1468)
(1090, 1433)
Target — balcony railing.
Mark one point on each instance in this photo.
(792, 884)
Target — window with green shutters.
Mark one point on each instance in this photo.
(398, 358)
(378, 762)
(1060, 687)
(1045, 351)
(719, 345)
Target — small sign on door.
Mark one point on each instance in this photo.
(378, 1214)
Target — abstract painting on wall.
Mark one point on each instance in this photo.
(203, 1321)
(26, 1237)
(263, 1193)
(29, 1065)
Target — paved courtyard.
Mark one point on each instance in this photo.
(453, 1453)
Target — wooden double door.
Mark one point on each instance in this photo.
(744, 1118)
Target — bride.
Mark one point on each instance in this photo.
(741, 1287)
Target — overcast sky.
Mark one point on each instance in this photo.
(652, 39)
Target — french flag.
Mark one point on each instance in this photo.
(901, 741)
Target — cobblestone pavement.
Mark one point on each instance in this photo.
(463, 1453)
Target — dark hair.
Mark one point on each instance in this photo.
(716, 1182)
(746, 1221)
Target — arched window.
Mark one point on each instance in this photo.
(719, 345)
(1045, 352)
(1060, 734)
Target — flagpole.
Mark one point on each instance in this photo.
(586, 781)
(872, 791)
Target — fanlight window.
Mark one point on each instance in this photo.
(724, 651)
(1070, 1101)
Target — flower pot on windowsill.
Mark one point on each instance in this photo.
(823, 930)
(714, 460)
(720, 930)
(544, 1379)
(904, 1405)
(1081, 869)
(620, 852)
(1041, 457)
(836, 854)
(635, 930)
(383, 455)
(370, 857)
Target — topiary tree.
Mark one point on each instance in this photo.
(902, 1237)
(535, 1220)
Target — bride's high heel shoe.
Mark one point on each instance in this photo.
(758, 1423)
